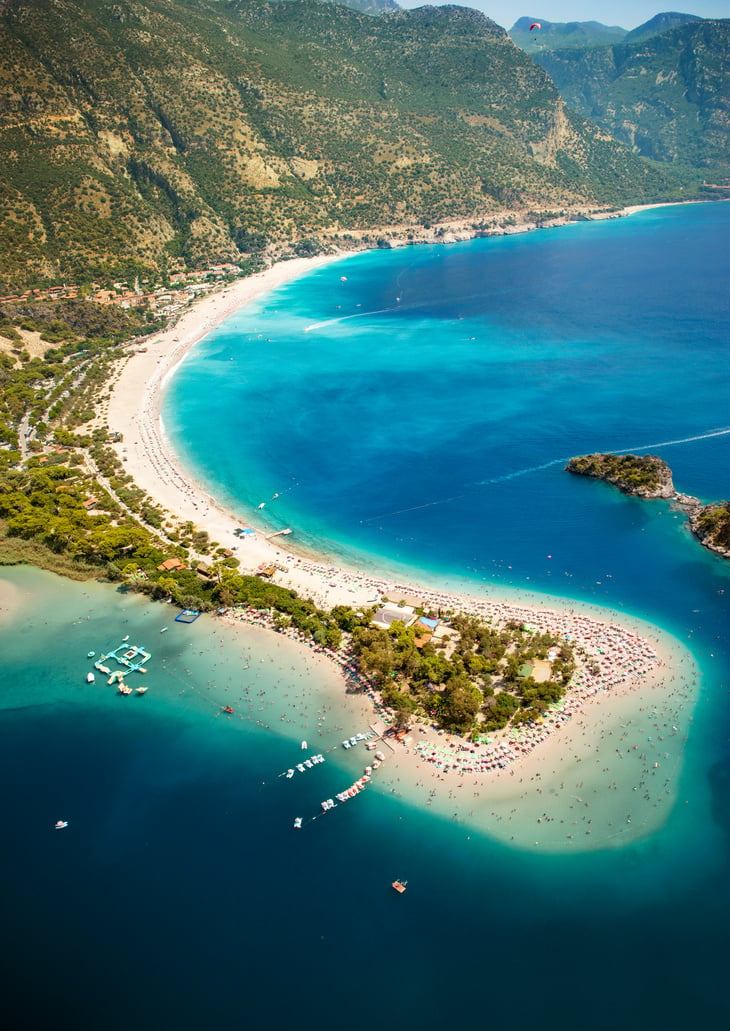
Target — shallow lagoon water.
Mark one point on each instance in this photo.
(179, 893)
(180, 872)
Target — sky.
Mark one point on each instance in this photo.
(626, 13)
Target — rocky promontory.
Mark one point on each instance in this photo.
(645, 476)
(648, 476)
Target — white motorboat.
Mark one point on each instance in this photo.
(90, 678)
(298, 822)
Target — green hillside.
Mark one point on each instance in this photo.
(554, 35)
(658, 24)
(170, 132)
(666, 97)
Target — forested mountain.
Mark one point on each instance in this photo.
(553, 35)
(667, 97)
(658, 24)
(135, 134)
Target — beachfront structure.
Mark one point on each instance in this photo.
(391, 613)
(171, 564)
(445, 638)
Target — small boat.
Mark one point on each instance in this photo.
(163, 630)
(304, 746)
(90, 655)
(90, 678)
(141, 690)
(399, 886)
(298, 822)
(379, 755)
(60, 824)
(126, 638)
(123, 689)
(227, 708)
(289, 774)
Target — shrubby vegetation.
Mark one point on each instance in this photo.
(484, 684)
(664, 96)
(634, 474)
(712, 526)
(169, 134)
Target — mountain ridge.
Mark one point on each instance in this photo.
(579, 34)
(155, 135)
(665, 96)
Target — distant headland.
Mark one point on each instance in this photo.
(648, 476)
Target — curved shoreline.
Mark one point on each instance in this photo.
(156, 469)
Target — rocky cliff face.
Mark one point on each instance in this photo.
(711, 526)
(666, 97)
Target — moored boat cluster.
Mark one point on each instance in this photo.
(306, 764)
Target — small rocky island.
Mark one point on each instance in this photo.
(648, 476)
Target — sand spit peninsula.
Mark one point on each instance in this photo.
(623, 661)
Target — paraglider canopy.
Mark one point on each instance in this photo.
(535, 25)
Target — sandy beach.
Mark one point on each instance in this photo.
(134, 411)
(632, 658)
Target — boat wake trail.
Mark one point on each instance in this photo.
(520, 472)
(415, 508)
(722, 432)
(344, 318)
(669, 443)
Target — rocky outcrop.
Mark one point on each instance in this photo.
(648, 476)
(644, 476)
(711, 526)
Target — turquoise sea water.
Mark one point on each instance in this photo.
(416, 415)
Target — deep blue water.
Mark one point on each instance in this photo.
(434, 432)
(179, 895)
